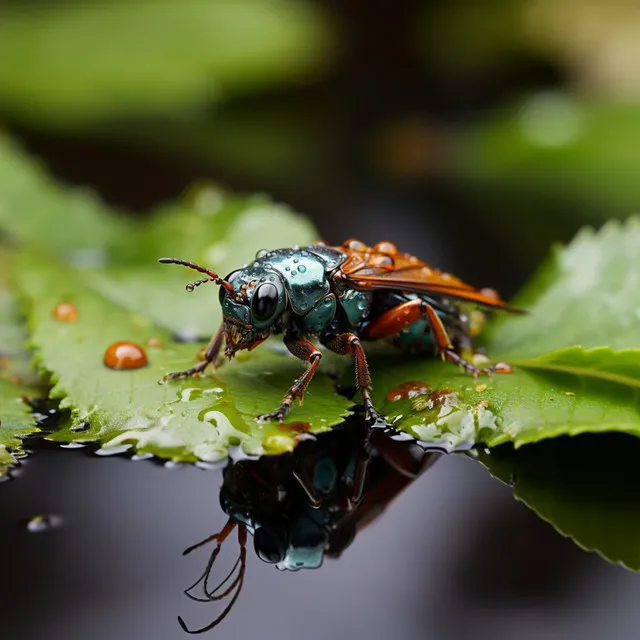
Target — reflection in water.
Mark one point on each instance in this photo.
(304, 506)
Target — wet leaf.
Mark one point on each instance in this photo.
(186, 420)
(74, 64)
(16, 381)
(587, 487)
(576, 356)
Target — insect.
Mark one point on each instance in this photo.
(342, 296)
(303, 507)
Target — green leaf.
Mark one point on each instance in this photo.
(73, 64)
(576, 357)
(187, 420)
(588, 488)
(127, 295)
(16, 418)
(587, 294)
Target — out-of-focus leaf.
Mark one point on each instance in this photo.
(73, 63)
(554, 147)
(587, 487)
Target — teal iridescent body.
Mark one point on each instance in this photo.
(341, 297)
(302, 276)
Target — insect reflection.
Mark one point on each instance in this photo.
(307, 505)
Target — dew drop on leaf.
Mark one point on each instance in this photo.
(65, 312)
(125, 355)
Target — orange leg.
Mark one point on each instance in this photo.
(307, 352)
(393, 321)
(211, 355)
(349, 343)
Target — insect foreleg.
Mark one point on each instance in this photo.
(309, 353)
(349, 343)
(210, 355)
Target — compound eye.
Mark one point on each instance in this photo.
(230, 278)
(265, 302)
(270, 544)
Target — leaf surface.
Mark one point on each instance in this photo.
(575, 354)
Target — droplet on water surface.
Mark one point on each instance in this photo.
(43, 522)
(65, 312)
(125, 355)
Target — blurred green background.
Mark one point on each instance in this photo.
(473, 134)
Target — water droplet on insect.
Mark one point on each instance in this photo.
(125, 355)
(287, 269)
(296, 247)
(262, 253)
(43, 522)
(302, 268)
(65, 312)
(296, 260)
(293, 273)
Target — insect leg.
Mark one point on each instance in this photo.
(211, 355)
(394, 320)
(449, 352)
(309, 353)
(349, 343)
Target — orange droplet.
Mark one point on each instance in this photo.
(502, 367)
(407, 390)
(65, 312)
(490, 293)
(355, 245)
(387, 248)
(125, 355)
(295, 427)
(154, 343)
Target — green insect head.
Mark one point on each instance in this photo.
(253, 301)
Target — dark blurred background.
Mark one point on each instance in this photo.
(474, 134)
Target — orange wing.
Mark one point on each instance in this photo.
(384, 267)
